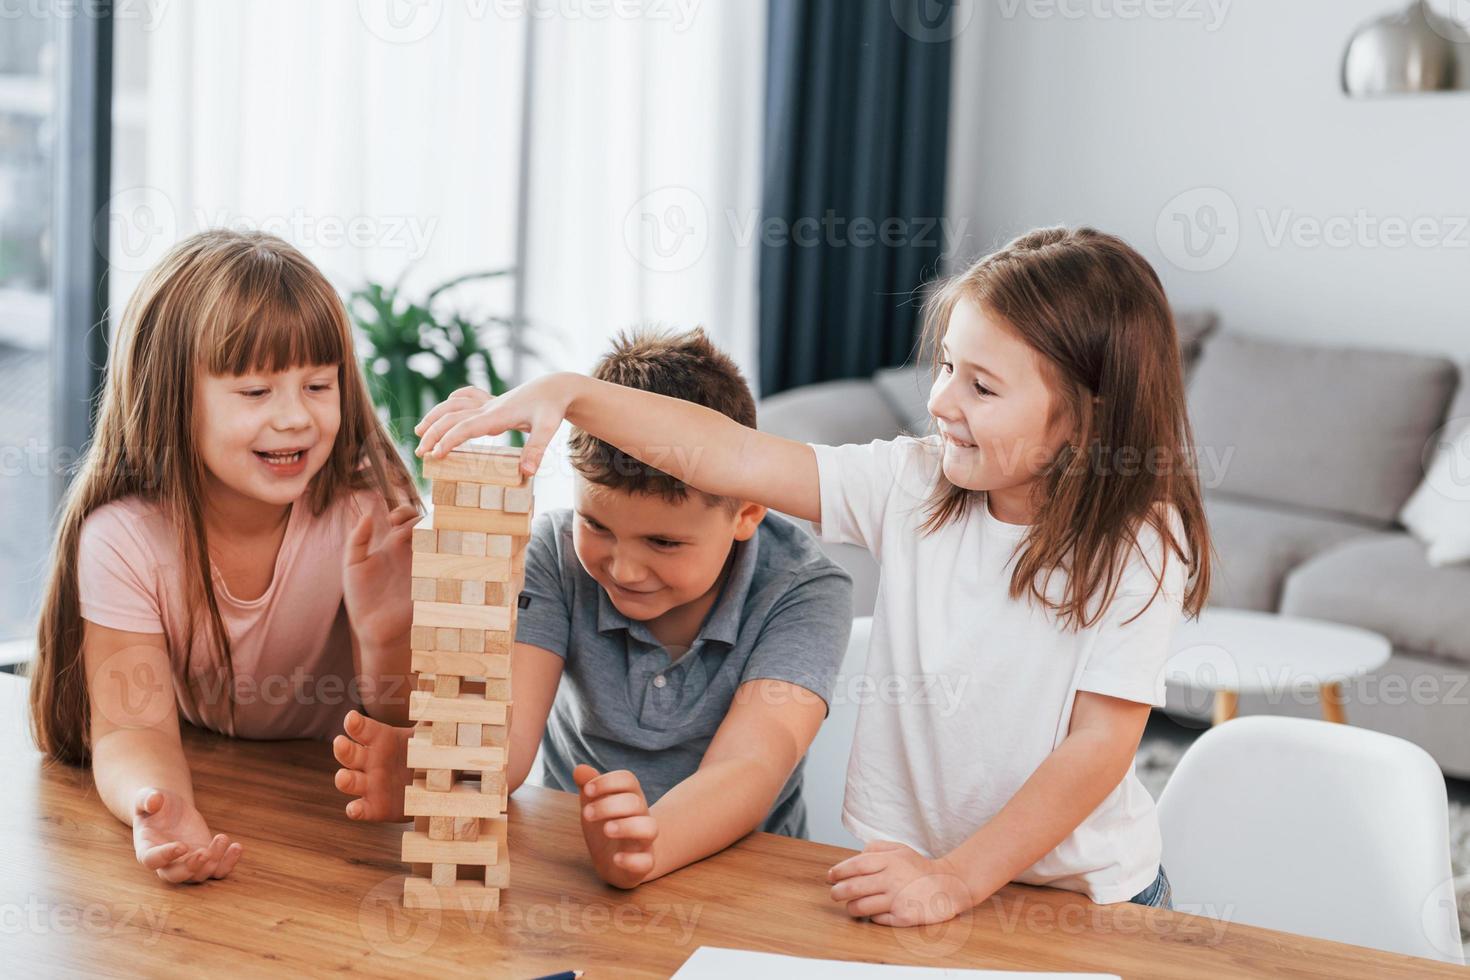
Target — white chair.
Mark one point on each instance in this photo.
(1314, 828)
(825, 777)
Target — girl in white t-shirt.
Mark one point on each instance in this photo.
(1036, 554)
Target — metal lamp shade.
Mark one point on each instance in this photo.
(1415, 50)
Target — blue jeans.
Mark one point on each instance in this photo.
(1158, 895)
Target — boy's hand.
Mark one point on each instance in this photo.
(536, 407)
(898, 886)
(617, 826)
(374, 760)
(375, 579)
(171, 839)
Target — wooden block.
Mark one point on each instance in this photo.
(440, 828)
(466, 568)
(472, 542)
(422, 638)
(492, 498)
(486, 521)
(444, 875)
(423, 754)
(492, 782)
(450, 542)
(425, 540)
(462, 800)
(425, 589)
(443, 492)
(485, 849)
(518, 500)
(446, 590)
(443, 734)
(453, 615)
(472, 593)
(445, 638)
(423, 706)
(466, 495)
(439, 780)
(500, 465)
(468, 736)
(446, 685)
(463, 664)
(467, 828)
(494, 594)
(466, 898)
(501, 545)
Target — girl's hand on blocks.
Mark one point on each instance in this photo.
(536, 407)
(617, 826)
(895, 885)
(374, 760)
(171, 839)
(375, 576)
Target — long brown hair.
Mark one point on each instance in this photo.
(1095, 311)
(227, 303)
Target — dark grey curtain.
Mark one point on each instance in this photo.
(857, 116)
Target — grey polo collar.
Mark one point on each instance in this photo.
(723, 622)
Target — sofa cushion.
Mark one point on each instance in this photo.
(1256, 545)
(1384, 583)
(1326, 428)
(832, 413)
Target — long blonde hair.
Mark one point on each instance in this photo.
(1095, 310)
(227, 303)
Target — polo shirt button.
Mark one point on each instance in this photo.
(660, 681)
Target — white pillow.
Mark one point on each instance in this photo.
(1439, 511)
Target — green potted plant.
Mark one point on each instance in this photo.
(415, 354)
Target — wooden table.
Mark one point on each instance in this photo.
(317, 894)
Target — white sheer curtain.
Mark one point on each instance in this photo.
(387, 134)
(374, 143)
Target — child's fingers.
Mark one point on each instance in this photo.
(432, 442)
(215, 853)
(543, 429)
(228, 862)
(617, 781)
(860, 886)
(351, 781)
(161, 855)
(147, 801)
(459, 398)
(403, 514)
(582, 775)
(349, 754)
(357, 541)
(613, 807)
(635, 862)
(862, 864)
(644, 828)
(872, 905)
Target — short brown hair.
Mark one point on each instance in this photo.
(681, 365)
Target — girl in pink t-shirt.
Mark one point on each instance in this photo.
(234, 547)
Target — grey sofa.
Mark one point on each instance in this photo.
(1307, 454)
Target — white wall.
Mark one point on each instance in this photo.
(1064, 112)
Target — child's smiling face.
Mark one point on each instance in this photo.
(653, 555)
(993, 404)
(264, 435)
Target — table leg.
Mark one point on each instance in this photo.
(1332, 703)
(1225, 705)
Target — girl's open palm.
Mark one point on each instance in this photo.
(376, 574)
(171, 838)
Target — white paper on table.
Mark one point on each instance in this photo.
(718, 963)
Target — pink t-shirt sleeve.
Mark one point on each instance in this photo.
(117, 575)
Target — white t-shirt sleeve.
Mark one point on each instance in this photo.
(1132, 644)
(861, 485)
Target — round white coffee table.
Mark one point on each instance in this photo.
(1237, 651)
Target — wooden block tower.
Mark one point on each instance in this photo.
(468, 570)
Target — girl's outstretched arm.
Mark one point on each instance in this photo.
(697, 445)
(138, 761)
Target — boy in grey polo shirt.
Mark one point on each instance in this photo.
(674, 651)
